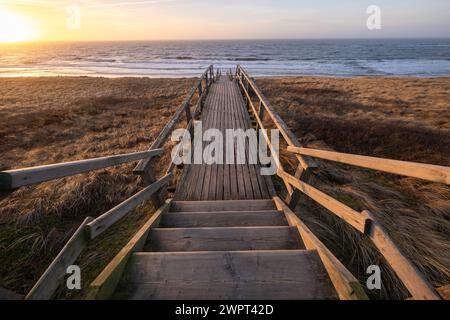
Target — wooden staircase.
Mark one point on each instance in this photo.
(236, 249)
(225, 233)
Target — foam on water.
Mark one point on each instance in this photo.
(263, 58)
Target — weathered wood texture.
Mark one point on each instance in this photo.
(346, 285)
(12, 179)
(104, 285)
(102, 223)
(364, 222)
(287, 134)
(410, 169)
(53, 276)
(219, 205)
(408, 273)
(223, 219)
(223, 239)
(248, 275)
(352, 217)
(224, 109)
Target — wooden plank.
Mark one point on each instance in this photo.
(104, 285)
(211, 194)
(223, 239)
(346, 285)
(257, 183)
(408, 273)
(251, 180)
(352, 217)
(287, 134)
(240, 123)
(220, 179)
(107, 219)
(12, 179)
(228, 205)
(238, 275)
(410, 169)
(229, 181)
(55, 273)
(210, 123)
(444, 292)
(223, 219)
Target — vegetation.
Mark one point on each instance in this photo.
(399, 118)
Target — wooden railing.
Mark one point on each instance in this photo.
(365, 222)
(12, 179)
(91, 228)
(306, 164)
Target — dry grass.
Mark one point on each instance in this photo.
(400, 118)
(48, 120)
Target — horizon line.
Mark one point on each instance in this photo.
(230, 39)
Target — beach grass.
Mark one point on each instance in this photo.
(54, 119)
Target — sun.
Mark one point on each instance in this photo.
(14, 28)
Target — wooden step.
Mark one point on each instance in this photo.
(222, 205)
(223, 219)
(238, 275)
(223, 239)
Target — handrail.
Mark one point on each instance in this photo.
(12, 179)
(366, 223)
(88, 230)
(423, 171)
(102, 223)
(345, 283)
(92, 228)
(208, 76)
(287, 134)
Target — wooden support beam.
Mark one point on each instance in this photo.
(100, 224)
(352, 217)
(410, 169)
(55, 273)
(12, 179)
(294, 197)
(444, 292)
(105, 284)
(346, 285)
(287, 134)
(408, 273)
(366, 223)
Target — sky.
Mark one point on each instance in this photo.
(51, 20)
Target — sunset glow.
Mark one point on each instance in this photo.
(15, 28)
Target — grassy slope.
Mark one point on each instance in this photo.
(47, 120)
(400, 118)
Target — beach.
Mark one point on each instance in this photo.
(46, 120)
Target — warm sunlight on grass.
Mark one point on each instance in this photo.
(14, 28)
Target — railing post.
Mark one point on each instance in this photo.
(260, 114)
(189, 119)
(149, 178)
(293, 198)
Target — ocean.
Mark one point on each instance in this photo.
(344, 58)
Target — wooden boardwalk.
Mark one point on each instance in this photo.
(226, 234)
(224, 109)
